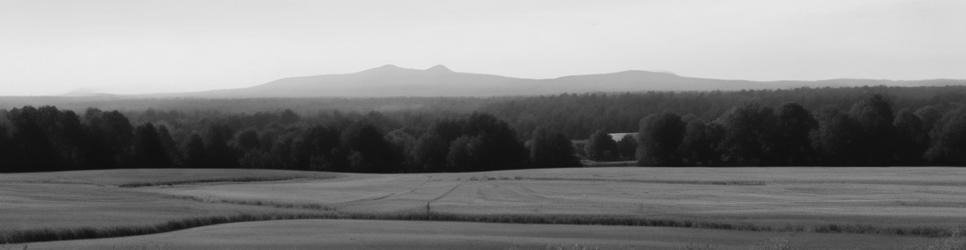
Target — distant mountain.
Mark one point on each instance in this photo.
(439, 80)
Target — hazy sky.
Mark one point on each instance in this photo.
(139, 46)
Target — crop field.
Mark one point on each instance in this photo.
(625, 208)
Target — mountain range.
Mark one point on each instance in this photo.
(394, 81)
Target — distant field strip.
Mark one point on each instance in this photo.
(208, 181)
(686, 182)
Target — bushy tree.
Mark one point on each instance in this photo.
(911, 139)
(170, 146)
(430, 152)
(148, 151)
(837, 138)
(218, 152)
(6, 150)
(248, 140)
(403, 144)
(33, 147)
(949, 145)
(929, 116)
(750, 135)
(874, 117)
(496, 145)
(661, 135)
(793, 145)
(368, 149)
(700, 142)
(550, 149)
(627, 147)
(601, 147)
(194, 152)
(110, 138)
(461, 155)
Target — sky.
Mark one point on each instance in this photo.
(50, 47)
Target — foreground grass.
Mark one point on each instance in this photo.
(55, 234)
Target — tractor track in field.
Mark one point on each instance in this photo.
(429, 204)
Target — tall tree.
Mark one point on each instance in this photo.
(661, 135)
(550, 149)
(111, 137)
(430, 152)
(6, 150)
(148, 151)
(949, 145)
(318, 149)
(194, 153)
(874, 116)
(627, 147)
(795, 125)
(700, 142)
(169, 145)
(218, 154)
(33, 147)
(497, 146)
(461, 155)
(837, 138)
(750, 136)
(601, 147)
(368, 149)
(910, 137)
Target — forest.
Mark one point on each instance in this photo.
(869, 126)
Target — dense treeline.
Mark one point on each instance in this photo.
(851, 126)
(868, 133)
(580, 115)
(49, 139)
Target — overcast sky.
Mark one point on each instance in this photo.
(141, 46)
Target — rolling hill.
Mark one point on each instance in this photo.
(440, 81)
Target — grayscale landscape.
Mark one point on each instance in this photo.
(542, 124)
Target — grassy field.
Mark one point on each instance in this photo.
(887, 202)
(374, 234)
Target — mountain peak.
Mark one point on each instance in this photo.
(384, 68)
(439, 68)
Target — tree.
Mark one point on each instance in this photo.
(248, 140)
(661, 136)
(700, 141)
(601, 147)
(750, 136)
(194, 152)
(110, 137)
(795, 125)
(627, 147)
(319, 149)
(368, 149)
(403, 144)
(497, 146)
(549, 150)
(32, 146)
(170, 147)
(218, 154)
(949, 145)
(837, 138)
(460, 156)
(430, 152)
(148, 151)
(911, 139)
(929, 116)
(874, 117)
(6, 150)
